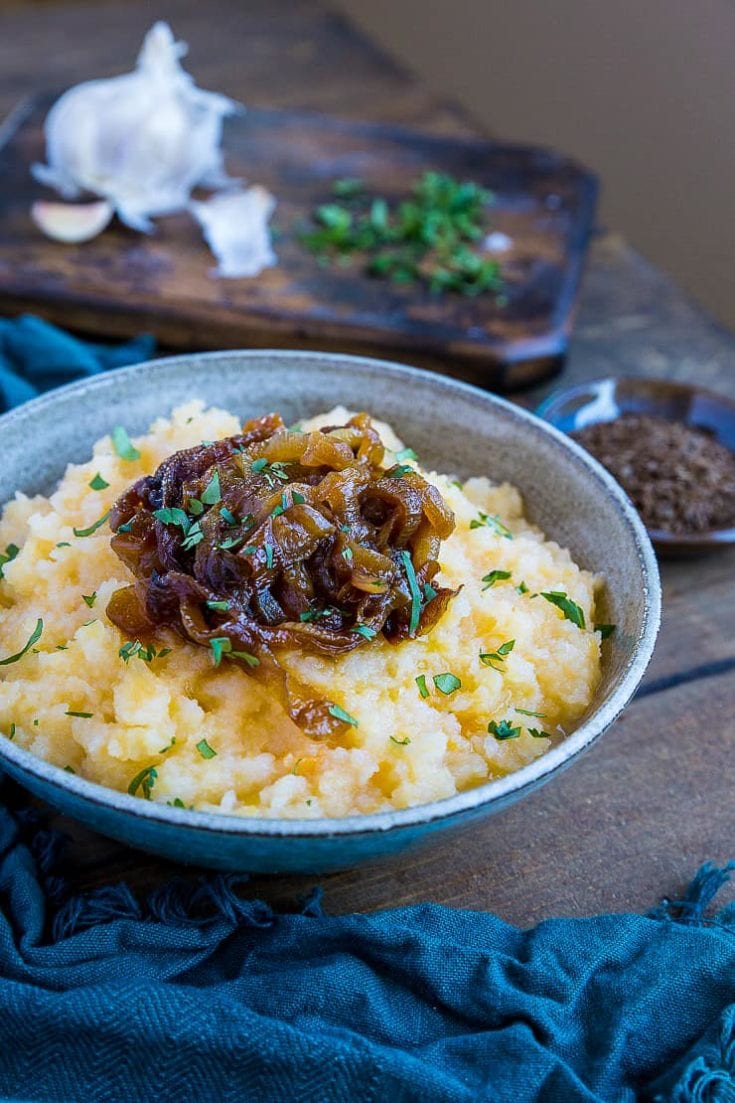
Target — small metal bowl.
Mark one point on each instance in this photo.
(575, 408)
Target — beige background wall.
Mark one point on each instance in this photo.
(642, 90)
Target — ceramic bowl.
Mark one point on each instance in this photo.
(606, 399)
(455, 428)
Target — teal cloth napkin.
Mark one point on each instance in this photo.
(35, 356)
(200, 994)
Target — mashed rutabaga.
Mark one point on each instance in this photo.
(504, 671)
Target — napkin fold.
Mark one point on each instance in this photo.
(35, 356)
(200, 993)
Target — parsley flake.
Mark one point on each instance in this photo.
(220, 646)
(503, 730)
(569, 608)
(339, 714)
(528, 712)
(406, 454)
(92, 528)
(9, 555)
(98, 483)
(484, 520)
(195, 507)
(172, 515)
(489, 658)
(421, 683)
(144, 781)
(89, 599)
(33, 638)
(218, 606)
(212, 493)
(400, 742)
(193, 537)
(415, 592)
(81, 715)
(495, 576)
(227, 516)
(205, 750)
(250, 660)
(11, 733)
(538, 734)
(123, 445)
(605, 630)
(447, 683)
(365, 631)
(269, 556)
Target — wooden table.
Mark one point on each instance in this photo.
(634, 818)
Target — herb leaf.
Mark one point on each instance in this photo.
(218, 606)
(220, 645)
(527, 712)
(421, 683)
(365, 631)
(339, 714)
(569, 608)
(98, 483)
(406, 454)
(205, 750)
(400, 742)
(123, 445)
(415, 592)
(489, 658)
(144, 781)
(89, 599)
(212, 493)
(92, 528)
(484, 520)
(503, 730)
(605, 630)
(81, 715)
(447, 683)
(495, 576)
(538, 734)
(8, 556)
(32, 639)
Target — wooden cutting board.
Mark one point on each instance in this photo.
(123, 282)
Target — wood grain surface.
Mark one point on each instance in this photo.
(123, 282)
(631, 820)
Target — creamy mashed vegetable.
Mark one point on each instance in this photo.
(212, 736)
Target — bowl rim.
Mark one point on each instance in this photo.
(497, 791)
(664, 539)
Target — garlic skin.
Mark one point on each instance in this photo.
(142, 141)
(235, 226)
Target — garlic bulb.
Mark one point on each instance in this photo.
(235, 225)
(142, 141)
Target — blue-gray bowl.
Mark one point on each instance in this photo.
(455, 427)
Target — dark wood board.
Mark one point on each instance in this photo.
(123, 282)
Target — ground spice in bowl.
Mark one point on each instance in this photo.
(680, 478)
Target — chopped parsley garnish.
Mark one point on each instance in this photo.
(69, 770)
(89, 599)
(503, 730)
(32, 639)
(9, 555)
(218, 606)
(421, 683)
(447, 683)
(259, 465)
(339, 714)
(227, 516)
(400, 742)
(98, 483)
(538, 734)
(429, 592)
(212, 492)
(522, 589)
(132, 647)
(495, 576)
(144, 781)
(220, 646)
(250, 660)
(193, 537)
(569, 608)
(492, 522)
(127, 527)
(347, 554)
(66, 544)
(92, 528)
(398, 471)
(489, 658)
(528, 712)
(172, 515)
(270, 471)
(430, 237)
(232, 542)
(269, 556)
(62, 647)
(406, 454)
(279, 509)
(605, 630)
(415, 593)
(177, 802)
(365, 631)
(297, 499)
(168, 746)
(314, 614)
(295, 770)
(11, 733)
(81, 715)
(195, 507)
(147, 654)
(205, 750)
(123, 445)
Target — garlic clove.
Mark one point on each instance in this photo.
(235, 226)
(71, 222)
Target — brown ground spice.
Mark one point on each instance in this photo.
(679, 478)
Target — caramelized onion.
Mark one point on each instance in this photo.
(304, 536)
